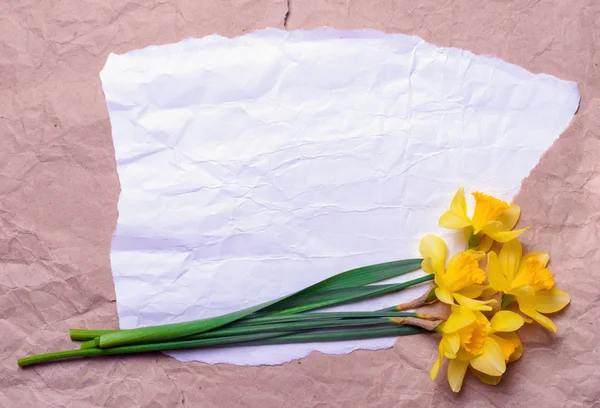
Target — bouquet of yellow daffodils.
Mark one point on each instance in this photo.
(479, 333)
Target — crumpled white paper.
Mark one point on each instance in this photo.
(252, 167)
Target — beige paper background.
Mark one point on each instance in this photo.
(59, 192)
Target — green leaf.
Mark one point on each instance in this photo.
(366, 275)
(366, 292)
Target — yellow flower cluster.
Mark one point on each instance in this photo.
(474, 336)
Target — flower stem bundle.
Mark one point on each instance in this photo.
(280, 318)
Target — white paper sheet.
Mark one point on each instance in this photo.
(252, 167)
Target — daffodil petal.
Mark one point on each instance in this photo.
(456, 374)
(436, 366)
(550, 301)
(494, 230)
(491, 360)
(451, 344)
(495, 273)
(444, 296)
(480, 315)
(507, 321)
(489, 291)
(460, 317)
(485, 244)
(457, 217)
(510, 217)
(474, 304)
(525, 296)
(511, 345)
(510, 257)
(528, 320)
(538, 317)
(486, 379)
(492, 227)
(426, 266)
(473, 291)
(452, 220)
(433, 248)
(459, 204)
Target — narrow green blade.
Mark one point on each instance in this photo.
(373, 291)
(322, 296)
(367, 275)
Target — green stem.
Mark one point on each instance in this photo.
(245, 340)
(274, 327)
(85, 335)
(88, 344)
(507, 300)
(359, 276)
(342, 335)
(92, 352)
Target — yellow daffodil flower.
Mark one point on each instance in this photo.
(511, 348)
(527, 278)
(469, 339)
(461, 280)
(493, 220)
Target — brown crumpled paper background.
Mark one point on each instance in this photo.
(59, 191)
